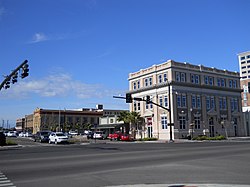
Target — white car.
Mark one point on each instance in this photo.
(58, 137)
(28, 134)
(21, 134)
(11, 134)
(73, 133)
(98, 135)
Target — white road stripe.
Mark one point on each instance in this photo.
(8, 184)
(4, 181)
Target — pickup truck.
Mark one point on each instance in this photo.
(115, 136)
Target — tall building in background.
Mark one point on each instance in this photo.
(244, 64)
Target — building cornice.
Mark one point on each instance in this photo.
(175, 83)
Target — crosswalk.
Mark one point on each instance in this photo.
(4, 181)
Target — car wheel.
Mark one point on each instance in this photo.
(50, 142)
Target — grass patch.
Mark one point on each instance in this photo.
(10, 142)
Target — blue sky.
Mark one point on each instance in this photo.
(80, 52)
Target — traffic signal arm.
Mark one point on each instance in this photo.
(8, 77)
(128, 97)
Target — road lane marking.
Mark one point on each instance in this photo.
(4, 181)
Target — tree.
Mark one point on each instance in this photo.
(135, 119)
(124, 116)
(131, 121)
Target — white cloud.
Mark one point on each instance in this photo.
(56, 85)
(39, 37)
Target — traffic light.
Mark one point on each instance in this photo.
(148, 99)
(128, 98)
(248, 87)
(14, 78)
(7, 85)
(25, 71)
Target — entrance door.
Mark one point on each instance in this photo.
(150, 130)
(235, 130)
(211, 126)
(211, 130)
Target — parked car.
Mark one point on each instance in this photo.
(126, 137)
(42, 136)
(90, 135)
(99, 135)
(2, 139)
(115, 136)
(73, 133)
(58, 137)
(28, 134)
(86, 132)
(21, 134)
(11, 134)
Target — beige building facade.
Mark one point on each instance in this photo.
(203, 100)
(64, 120)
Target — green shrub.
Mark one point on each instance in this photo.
(210, 138)
(147, 139)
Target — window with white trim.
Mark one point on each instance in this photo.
(182, 121)
(164, 122)
(150, 81)
(138, 84)
(178, 76)
(145, 82)
(160, 79)
(160, 101)
(166, 101)
(197, 122)
(138, 106)
(165, 77)
(134, 85)
(181, 100)
(183, 77)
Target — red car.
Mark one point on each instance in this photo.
(115, 136)
(125, 137)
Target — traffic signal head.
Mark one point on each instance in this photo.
(14, 78)
(128, 98)
(148, 99)
(25, 71)
(7, 85)
(248, 87)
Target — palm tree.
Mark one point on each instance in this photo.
(131, 120)
(135, 118)
(124, 116)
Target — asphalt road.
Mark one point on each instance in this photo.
(112, 164)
